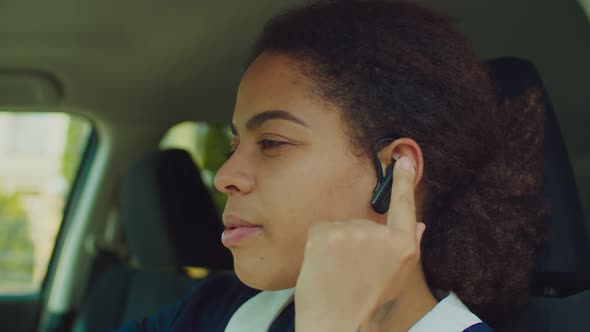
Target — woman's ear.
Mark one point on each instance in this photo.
(406, 147)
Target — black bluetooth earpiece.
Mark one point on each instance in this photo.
(382, 192)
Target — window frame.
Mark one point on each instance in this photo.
(77, 187)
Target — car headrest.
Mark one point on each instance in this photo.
(564, 267)
(170, 219)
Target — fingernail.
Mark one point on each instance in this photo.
(407, 164)
(421, 227)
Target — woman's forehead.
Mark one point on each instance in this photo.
(274, 84)
(273, 76)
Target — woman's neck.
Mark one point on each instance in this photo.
(402, 313)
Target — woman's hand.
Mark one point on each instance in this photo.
(352, 268)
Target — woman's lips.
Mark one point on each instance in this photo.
(233, 236)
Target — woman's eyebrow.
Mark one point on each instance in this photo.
(259, 119)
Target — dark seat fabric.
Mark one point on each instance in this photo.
(170, 218)
(121, 294)
(562, 271)
(571, 314)
(170, 222)
(552, 315)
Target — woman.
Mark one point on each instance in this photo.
(339, 95)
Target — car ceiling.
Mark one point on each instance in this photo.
(164, 62)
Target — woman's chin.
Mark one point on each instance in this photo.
(258, 277)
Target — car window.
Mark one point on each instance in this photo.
(208, 144)
(40, 154)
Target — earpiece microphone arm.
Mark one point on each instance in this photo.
(382, 192)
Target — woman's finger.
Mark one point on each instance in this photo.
(402, 208)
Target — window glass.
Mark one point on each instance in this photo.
(29, 134)
(208, 144)
(40, 154)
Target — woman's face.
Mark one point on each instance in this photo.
(292, 167)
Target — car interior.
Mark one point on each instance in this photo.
(140, 225)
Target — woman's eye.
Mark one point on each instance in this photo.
(266, 144)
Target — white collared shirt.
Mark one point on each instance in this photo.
(258, 313)
(449, 315)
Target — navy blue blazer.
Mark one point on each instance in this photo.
(209, 307)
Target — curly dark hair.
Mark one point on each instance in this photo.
(400, 70)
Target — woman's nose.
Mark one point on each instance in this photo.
(233, 178)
